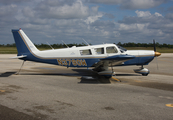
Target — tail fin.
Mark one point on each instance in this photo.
(23, 43)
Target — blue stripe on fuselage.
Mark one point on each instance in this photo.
(139, 60)
(69, 62)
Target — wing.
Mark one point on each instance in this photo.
(112, 61)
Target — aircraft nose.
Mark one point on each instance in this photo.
(157, 54)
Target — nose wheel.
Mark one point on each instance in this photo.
(142, 70)
(145, 74)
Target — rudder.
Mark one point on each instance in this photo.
(23, 43)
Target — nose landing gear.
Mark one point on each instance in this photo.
(142, 70)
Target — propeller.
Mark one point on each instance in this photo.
(156, 53)
(154, 45)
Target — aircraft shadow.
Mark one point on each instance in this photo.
(84, 72)
(86, 76)
(127, 75)
(94, 80)
(91, 77)
(7, 74)
(51, 74)
(72, 72)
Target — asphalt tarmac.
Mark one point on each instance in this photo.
(49, 92)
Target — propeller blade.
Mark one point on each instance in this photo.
(156, 53)
(154, 45)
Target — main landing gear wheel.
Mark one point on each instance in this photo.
(107, 77)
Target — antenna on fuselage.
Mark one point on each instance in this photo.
(85, 42)
(65, 44)
(50, 46)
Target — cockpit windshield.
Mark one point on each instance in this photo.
(121, 49)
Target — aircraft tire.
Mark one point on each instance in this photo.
(144, 74)
(107, 76)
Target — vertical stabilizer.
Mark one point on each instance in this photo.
(23, 43)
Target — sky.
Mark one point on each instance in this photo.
(95, 21)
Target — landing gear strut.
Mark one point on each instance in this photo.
(104, 71)
(20, 68)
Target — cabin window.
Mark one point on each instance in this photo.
(99, 50)
(85, 52)
(111, 50)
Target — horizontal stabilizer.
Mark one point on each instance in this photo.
(22, 56)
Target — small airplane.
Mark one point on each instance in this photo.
(101, 57)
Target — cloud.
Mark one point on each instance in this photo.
(141, 4)
(147, 26)
(7, 15)
(92, 19)
(57, 9)
(71, 20)
(158, 14)
(8, 10)
(143, 13)
(28, 12)
(105, 1)
(131, 4)
(61, 18)
(13, 1)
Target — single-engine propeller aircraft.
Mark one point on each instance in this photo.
(101, 57)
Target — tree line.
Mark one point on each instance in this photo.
(132, 44)
(48, 46)
(129, 44)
